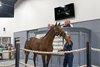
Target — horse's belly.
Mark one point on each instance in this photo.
(46, 48)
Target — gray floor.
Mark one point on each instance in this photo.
(9, 62)
(30, 62)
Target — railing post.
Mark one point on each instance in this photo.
(88, 53)
(17, 54)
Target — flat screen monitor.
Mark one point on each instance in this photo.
(67, 11)
(6, 10)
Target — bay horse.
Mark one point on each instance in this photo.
(43, 44)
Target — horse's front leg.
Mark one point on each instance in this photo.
(43, 60)
(48, 59)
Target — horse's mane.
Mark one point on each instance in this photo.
(47, 33)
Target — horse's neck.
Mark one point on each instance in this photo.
(49, 37)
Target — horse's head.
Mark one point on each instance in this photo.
(58, 30)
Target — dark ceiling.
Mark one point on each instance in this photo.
(7, 8)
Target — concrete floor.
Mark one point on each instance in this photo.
(9, 62)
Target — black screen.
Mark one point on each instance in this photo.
(7, 8)
(64, 12)
(6, 11)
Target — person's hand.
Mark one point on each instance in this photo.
(60, 50)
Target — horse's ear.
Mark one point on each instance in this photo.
(56, 24)
(59, 25)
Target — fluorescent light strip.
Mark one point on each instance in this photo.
(0, 3)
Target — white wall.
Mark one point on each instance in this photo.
(33, 14)
(38, 13)
(6, 23)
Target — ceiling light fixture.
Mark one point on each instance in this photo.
(0, 3)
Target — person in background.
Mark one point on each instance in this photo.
(67, 23)
(1, 50)
(68, 57)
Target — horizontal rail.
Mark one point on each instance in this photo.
(55, 53)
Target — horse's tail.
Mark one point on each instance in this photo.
(26, 44)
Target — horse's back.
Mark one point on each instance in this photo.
(32, 43)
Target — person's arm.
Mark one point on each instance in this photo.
(70, 45)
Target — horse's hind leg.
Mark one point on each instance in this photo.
(34, 59)
(43, 60)
(26, 57)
